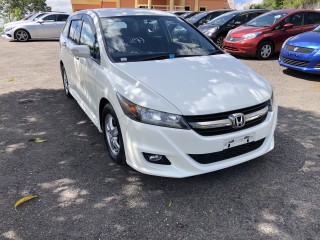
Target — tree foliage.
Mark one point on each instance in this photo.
(282, 4)
(16, 9)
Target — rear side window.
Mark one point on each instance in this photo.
(50, 18)
(89, 37)
(311, 18)
(74, 33)
(295, 19)
(62, 17)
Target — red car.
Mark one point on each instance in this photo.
(264, 35)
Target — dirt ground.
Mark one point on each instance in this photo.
(83, 195)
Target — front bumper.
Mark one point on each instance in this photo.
(311, 61)
(245, 48)
(177, 144)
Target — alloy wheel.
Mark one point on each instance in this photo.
(266, 51)
(219, 41)
(22, 36)
(111, 131)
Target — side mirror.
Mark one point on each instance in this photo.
(287, 26)
(40, 21)
(81, 51)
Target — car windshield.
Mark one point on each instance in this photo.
(222, 19)
(317, 29)
(267, 19)
(142, 38)
(197, 17)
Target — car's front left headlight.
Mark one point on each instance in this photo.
(8, 29)
(251, 35)
(150, 116)
(285, 42)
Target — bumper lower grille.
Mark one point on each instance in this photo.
(227, 153)
(195, 121)
(293, 62)
(230, 48)
(299, 49)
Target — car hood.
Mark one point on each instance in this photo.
(242, 30)
(202, 85)
(308, 40)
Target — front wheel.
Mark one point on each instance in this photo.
(22, 35)
(65, 82)
(219, 41)
(265, 50)
(112, 135)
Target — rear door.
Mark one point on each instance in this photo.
(59, 24)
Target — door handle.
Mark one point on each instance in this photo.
(77, 58)
(64, 44)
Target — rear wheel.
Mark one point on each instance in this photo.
(22, 35)
(265, 50)
(112, 135)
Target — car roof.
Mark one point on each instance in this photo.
(292, 10)
(120, 12)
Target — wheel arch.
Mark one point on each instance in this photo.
(267, 40)
(103, 102)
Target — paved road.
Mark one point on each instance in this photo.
(83, 195)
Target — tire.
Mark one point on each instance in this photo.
(22, 35)
(265, 50)
(219, 41)
(112, 135)
(65, 82)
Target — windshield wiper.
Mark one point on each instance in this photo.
(158, 57)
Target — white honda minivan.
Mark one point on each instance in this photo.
(168, 101)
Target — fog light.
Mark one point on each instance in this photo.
(156, 158)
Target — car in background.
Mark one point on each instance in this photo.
(205, 17)
(48, 26)
(302, 52)
(188, 15)
(264, 35)
(218, 28)
(31, 17)
(167, 106)
(178, 13)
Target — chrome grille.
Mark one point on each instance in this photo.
(220, 123)
(299, 49)
(293, 62)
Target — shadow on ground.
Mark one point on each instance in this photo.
(302, 75)
(83, 195)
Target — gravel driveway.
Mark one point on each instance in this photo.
(83, 195)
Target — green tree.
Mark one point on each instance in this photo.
(16, 9)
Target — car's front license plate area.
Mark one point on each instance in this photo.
(238, 141)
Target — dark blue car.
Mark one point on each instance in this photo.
(302, 52)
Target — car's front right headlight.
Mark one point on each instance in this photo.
(150, 116)
(285, 42)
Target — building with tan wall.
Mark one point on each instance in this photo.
(172, 5)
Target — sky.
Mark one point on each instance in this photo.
(65, 5)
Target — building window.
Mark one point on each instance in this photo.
(203, 9)
(187, 8)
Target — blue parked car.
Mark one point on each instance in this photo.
(302, 52)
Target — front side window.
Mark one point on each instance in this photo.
(295, 19)
(50, 18)
(142, 38)
(74, 33)
(89, 37)
(267, 19)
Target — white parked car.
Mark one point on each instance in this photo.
(168, 101)
(47, 26)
